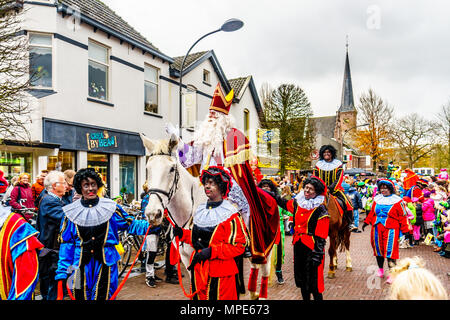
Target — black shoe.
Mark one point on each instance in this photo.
(280, 279)
(356, 231)
(150, 281)
(158, 279)
(172, 280)
(352, 227)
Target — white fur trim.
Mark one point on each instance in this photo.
(89, 217)
(206, 218)
(389, 200)
(309, 204)
(328, 166)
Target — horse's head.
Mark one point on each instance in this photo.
(163, 174)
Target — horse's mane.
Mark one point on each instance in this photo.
(161, 147)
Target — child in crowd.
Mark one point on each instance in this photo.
(428, 212)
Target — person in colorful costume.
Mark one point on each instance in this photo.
(330, 170)
(88, 236)
(19, 264)
(388, 217)
(390, 169)
(417, 190)
(311, 224)
(218, 236)
(217, 142)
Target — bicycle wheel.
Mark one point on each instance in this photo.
(125, 257)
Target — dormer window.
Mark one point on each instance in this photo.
(206, 76)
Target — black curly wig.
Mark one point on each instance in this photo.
(319, 187)
(330, 148)
(269, 183)
(84, 174)
(220, 177)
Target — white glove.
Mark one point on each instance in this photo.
(170, 129)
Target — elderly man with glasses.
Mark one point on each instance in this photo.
(50, 213)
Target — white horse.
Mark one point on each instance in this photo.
(171, 186)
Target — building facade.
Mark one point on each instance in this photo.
(102, 84)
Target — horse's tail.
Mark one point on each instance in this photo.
(340, 241)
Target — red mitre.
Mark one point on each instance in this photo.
(220, 102)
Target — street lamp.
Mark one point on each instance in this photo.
(345, 132)
(228, 26)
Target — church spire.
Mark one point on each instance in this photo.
(347, 103)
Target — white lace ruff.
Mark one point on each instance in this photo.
(309, 204)
(328, 166)
(88, 217)
(389, 200)
(206, 218)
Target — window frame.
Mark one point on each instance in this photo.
(107, 65)
(158, 72)
(52, 47)
(208, 77)
(247, 122)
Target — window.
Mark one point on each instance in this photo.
(98, 71)
(63, 161)
(189, 106)
(246, 122)
(206, 76)
(151, 89)
(40, 66)
(127, 177)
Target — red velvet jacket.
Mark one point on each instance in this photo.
(227, 242)
(309, 223)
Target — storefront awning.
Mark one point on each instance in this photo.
(31, 144)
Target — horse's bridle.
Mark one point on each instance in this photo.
(169, 194)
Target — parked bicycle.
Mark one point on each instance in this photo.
(28, 214)
(131, 243)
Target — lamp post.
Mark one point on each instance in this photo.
(345, 132)
(228, 26)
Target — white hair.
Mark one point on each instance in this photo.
(51, 178)
(212, 132)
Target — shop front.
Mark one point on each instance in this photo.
(113, 153)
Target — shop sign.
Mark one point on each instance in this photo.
(98, 140)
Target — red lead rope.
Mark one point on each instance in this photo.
(187, 295)
(113, 297)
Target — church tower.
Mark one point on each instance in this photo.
(346, 114)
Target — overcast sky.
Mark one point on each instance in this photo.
(400, 49)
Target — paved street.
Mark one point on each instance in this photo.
(360, 284)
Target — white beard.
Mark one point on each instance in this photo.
(212, 132)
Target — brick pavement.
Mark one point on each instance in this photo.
(360, 284)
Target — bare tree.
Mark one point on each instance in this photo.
(15, 77)
(416, 136)
(374, 139)
(444, 125)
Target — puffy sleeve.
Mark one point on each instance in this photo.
(67, 238)
(371, 215)
(26, 265)
(237, 240)
(403, 220)
(189, 155)
(126, 222)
